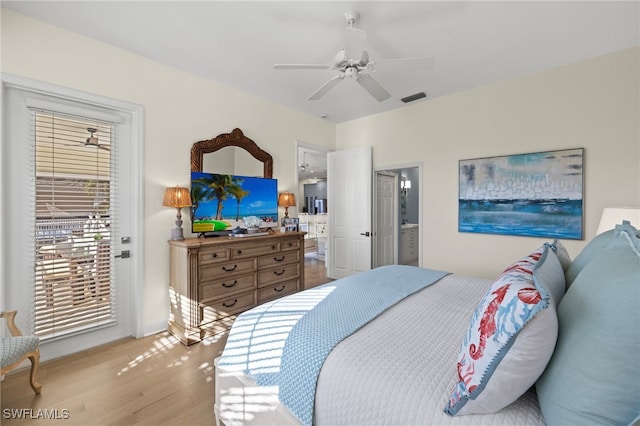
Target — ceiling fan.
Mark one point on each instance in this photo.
(93, 140)
(353, 62)
(304, 164)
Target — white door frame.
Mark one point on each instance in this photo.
(136, 114)
(395, 167)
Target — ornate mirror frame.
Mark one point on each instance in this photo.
(235, 138)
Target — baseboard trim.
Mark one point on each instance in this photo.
(154, 327)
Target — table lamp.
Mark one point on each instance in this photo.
(286, 200)
(612, 216)
(177, 197)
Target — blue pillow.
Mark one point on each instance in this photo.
(594, 374)
(595, 246)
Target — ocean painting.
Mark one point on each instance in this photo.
(533, 195)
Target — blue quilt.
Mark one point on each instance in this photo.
(285, 342)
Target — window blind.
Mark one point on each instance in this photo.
(74, 211)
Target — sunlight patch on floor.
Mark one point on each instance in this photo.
(160, 346)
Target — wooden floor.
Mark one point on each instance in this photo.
(150, 381)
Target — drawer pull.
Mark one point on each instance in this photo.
(228, 306)
(279, 273)
(239, 252)
(279, 289)
(230, 285)
(214, 255)
(273, 247)
(280, 259)
(224, 268)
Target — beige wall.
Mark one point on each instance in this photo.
(180, 109)
(593, 105)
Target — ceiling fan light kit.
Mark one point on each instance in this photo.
(94, 141)
(353, 62)
(91, 140)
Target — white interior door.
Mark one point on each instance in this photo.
(349, 179)
(385, 242)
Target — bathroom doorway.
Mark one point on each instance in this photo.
(404, 244)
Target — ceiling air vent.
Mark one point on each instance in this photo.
(414, 97)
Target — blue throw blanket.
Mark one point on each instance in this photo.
(285, 342)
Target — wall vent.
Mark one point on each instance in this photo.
(414, 97)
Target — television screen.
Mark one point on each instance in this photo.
(220, 202)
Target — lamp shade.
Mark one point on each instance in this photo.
(177, 197)
(286, 199)
(612, 216)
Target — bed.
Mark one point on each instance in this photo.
(549, 341)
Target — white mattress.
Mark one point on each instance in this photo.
(396, 370)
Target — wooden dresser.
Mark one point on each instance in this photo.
(213, 279)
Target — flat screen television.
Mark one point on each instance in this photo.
(221, 201)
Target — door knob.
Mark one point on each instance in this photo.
(366, 234)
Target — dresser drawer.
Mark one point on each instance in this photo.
(212, 255)
(277, 274)
(212, 311)
(291, 244)
(278, 259)
(254, 248)
(226, 269)
(277, 290)
(222, 287)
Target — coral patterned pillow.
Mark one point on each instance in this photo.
(511, 337)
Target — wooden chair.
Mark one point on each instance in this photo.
(17, 348)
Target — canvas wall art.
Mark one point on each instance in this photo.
(536, 195)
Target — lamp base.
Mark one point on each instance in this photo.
(177, 234)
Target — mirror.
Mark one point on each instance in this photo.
(232, 160)
(228, 156)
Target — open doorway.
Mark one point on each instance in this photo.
(398, 209)
(311, 173)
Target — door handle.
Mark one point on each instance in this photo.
(124, 254)
(366, 234)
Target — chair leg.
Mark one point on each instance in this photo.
(35, 362)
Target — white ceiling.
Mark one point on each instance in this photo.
(236, 43)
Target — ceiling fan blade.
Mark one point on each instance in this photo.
(400, 63)
(326, 87)
(373, 87)
(301, 67)
(354, 39)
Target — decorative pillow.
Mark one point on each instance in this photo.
(595, 246)
(562, 253)
(594, 374)
(511, 337)
(549, 274)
